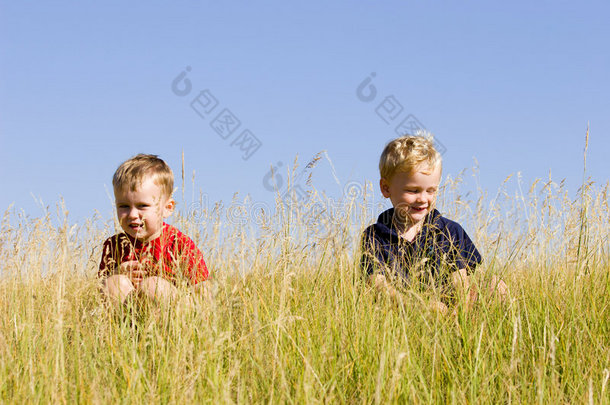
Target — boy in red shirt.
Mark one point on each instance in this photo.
(149, 256)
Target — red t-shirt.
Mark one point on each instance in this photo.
(173, 255)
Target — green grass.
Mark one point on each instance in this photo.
(292, 321)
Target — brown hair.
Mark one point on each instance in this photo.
(132, 172)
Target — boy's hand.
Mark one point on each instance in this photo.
(134, 270)
(462, 284)
(384, 286)
(439, 308)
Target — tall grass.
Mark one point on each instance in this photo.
(291, 319)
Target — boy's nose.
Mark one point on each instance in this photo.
(133, 213)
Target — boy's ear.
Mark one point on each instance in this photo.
(168, 208)
(384, 186)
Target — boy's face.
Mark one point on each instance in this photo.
(412, 194)
(141, 212)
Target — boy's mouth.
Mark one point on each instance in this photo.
(136, 227)
(419, 209)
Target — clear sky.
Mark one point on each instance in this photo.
(85, 85)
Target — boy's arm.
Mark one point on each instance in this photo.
(197, 268)
(371, 264)
(464, 253)
(108, 261)
(466, 258)
(382, 285)
(460, 279)
(371, 259)
(192, 259)
(463, 284)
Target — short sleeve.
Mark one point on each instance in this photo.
(464, 253)
(370, 258)
(108, 262)
(191, 260)
(198, 271)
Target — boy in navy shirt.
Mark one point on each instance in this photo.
(413, 240)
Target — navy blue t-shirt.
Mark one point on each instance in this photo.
(441, 247)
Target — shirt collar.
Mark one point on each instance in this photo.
(385, 227)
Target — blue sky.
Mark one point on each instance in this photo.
(84, 86)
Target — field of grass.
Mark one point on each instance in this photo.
(292, 321)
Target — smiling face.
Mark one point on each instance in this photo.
(413, 194)
(141, 212)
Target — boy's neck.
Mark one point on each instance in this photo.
(406, 229)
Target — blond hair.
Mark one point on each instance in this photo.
(407, 153)
(132, 172)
